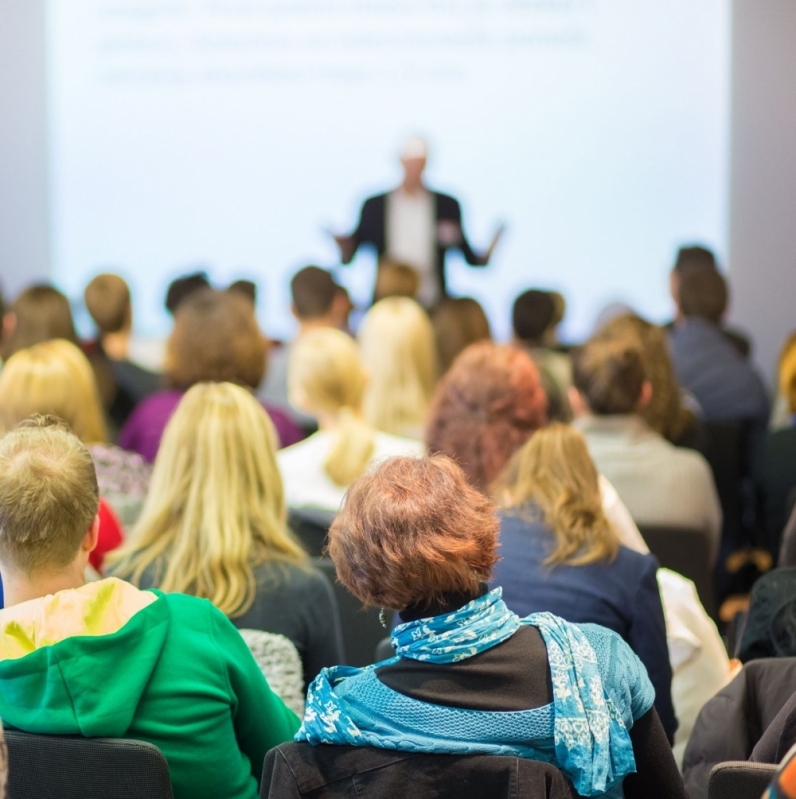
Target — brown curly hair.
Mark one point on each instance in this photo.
(412, 531)
(215, 339)
(485, 408)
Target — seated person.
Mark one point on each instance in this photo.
(327, 379)
(107, 299)
(661, 485)
(769, 630)
(105, 659)
(470, 676)
(458, 322)
(214, 525)
(395, 279)
(215, 339)
(560, 554)
(533, 320)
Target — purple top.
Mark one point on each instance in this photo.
(144, 428)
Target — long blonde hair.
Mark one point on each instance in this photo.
(553, 470)
(216, 506)
(53, 377)
(397, 344)
(326, 376)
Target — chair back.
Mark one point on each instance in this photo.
(362, 629)
(280, 662)
(687, 552)
(725, 451)
(740, 780)
(310, 526)
(71, 767)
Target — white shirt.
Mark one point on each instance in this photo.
(306, 483)
(411, 238)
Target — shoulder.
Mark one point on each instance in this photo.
(445, 200)
(374, 202)
(310, 451)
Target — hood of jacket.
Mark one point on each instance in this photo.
(77, 662)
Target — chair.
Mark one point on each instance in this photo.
(687, 552)
(280, 662)
(295, 770)
(384, 650)
(70, 767)
(740, 780)
(310, 526)
(362, 630)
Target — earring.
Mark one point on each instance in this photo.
(383, 618)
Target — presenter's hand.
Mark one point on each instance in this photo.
(495, 240)
(346, 244)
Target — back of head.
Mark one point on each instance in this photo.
(533, 314)
(485, 408)
(694, 256)
(48, 496)
(215, 506)
(555, 472)
(787, 372)
(326, 377)
(53, 377)
(40, 313)
(215, 338)
(609, 374)
(313, 291)
(702, 294)
(396, 342)
(458, 322)
(107, 299)
(394, 279)
(182, 287)
(412, 531)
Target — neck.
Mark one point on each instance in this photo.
(305, 325)
(116, 345)
(412, 186)
(447, 603)
(18, 588)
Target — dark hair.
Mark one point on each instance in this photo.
(182, 287)
(703, 294)
(694, 256)
(609, 373)
(313, 291)
(42, 313)
(533, 313)
(246, 288)
(458, 322)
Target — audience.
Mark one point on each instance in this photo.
(182, 287)
(559, 553)
(215, 339)
(396, 341)
(471, 676)
(317, 301)
(54, 377)
(105, 659)
(775, 469)
(458, 322)
(327, 379)
(395, 279)
(215, 526)
(534, 317)
(107, 299)
(661, 485)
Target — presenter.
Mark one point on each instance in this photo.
(415, 226)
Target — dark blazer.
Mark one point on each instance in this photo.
(372, 229)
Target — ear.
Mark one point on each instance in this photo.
(9, 324)
(645, 397)
(674, 287)
(91, 537)
(577, 402)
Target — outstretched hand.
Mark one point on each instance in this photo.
(346, 245)
(495, 239)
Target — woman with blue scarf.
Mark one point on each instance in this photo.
(470, 676)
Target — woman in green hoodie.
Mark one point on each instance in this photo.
(106, 659)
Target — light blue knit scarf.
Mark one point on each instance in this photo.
(592, 744)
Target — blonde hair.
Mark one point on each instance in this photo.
(215, 506)
(787, 372)
(53, 377)
(554, 471)
(397, 344)
(326, 376)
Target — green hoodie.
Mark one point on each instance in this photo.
(109, 660)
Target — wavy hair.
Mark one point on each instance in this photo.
(554, 473)
(216, 506)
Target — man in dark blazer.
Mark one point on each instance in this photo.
(415, 226)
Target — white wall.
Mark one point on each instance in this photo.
(763, 174)
(24, 233)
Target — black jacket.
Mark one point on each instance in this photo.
(730, 725)
(372, 229)
(295, 770)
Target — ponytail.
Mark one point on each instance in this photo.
(352, 448)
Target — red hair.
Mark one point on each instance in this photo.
(412, 531)
(485, 408)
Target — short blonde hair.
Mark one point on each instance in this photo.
(326, 375)
(107, 299)
(554, 471)
(48, 496)
(215, 506)
(396, 341)
(395, 279)
(53, 377)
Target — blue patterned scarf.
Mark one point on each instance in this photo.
(591, 742)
